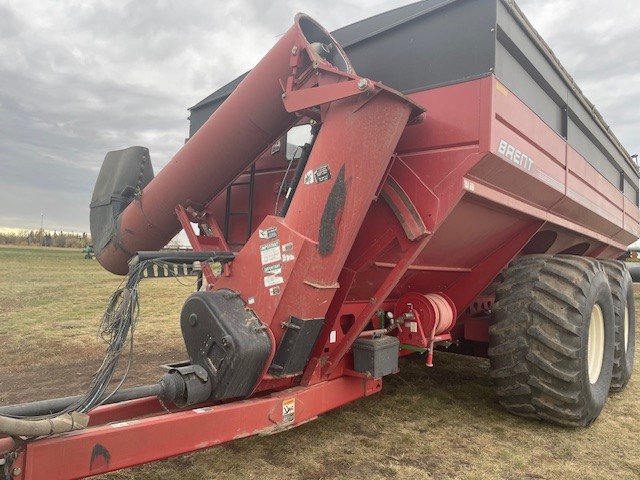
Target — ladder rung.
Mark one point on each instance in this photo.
(250, 182)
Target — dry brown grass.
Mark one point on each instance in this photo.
(56, 297)
(426, 423)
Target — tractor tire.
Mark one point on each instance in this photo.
(552, 339)
(625, 322)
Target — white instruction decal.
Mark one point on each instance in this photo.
(332, 336)
(286, 257)
(469, 185)
(271, 280)
(270, 252)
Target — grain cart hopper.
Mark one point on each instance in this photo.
(478, 211)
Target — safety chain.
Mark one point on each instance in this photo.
(9, 459)
(163, 405)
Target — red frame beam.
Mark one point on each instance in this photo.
(127, 443)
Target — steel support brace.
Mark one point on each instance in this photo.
(185, 221)
(298, 100)
(380, 296)
(132, 442)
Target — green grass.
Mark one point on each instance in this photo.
(442, 422)
(55, 298)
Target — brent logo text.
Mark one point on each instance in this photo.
(509, 151)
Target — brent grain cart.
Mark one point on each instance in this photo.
(477, 211)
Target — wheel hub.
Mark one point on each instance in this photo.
(626, 327)
(595, 350)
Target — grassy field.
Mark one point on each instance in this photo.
(442, 422)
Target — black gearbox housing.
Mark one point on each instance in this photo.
(227, 340)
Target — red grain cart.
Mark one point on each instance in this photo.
(479, 211)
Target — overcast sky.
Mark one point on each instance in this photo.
(80, 78)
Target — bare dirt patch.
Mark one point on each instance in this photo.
(26, 384)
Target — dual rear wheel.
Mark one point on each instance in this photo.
(625, 332)
(562, 336)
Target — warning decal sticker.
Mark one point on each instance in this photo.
(289, 411)
(268, 234)
(322, 174)
(308, 177)
(275, 269)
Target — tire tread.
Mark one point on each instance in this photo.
(535, 337)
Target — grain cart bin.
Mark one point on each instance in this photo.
(455, 190)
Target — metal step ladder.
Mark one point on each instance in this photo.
(248, 214)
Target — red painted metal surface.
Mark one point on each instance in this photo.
(109, 447)
(290, 266)
(197, 241)
(249, 120)
(374, 304)
(432, 315)
(479, 208)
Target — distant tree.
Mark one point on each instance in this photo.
(46, 239)
(174, 244)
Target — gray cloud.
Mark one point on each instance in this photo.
(597, 42)
(82, 78)
(10, 25)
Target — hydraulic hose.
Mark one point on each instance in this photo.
(55, 405)
(67, 422)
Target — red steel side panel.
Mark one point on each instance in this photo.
(557, 177)
(480, 169)
(631, 217)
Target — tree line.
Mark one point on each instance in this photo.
(45, 238)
